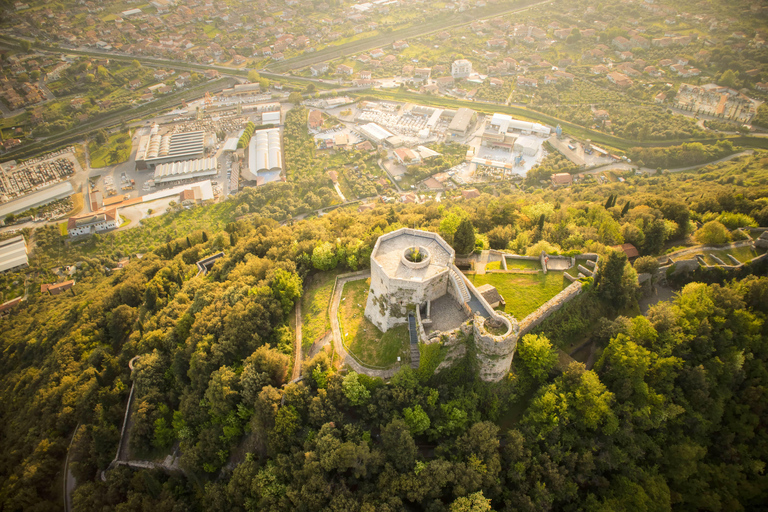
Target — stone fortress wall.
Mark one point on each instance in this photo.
(399, 285)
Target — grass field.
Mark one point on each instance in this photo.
(117, 150)
(314, 307)
(363, 339)
(515, 264)
(523, 293)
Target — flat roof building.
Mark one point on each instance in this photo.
(39, 198)
(375, 133)
(13, 254)
(461, 123)
(503, 123)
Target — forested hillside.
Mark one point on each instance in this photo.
(671, 416)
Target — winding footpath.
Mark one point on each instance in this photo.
(298, 357)
(338, 346)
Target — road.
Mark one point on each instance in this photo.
(623, 166)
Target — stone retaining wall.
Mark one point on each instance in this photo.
(549, 307)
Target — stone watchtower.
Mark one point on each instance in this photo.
(398, 283)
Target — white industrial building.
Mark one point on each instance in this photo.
(527, 146)
(461, 68)
(13, 254)
(189, 169)
(270, 117)
(230, 145)
(35, 199)
(265, 157)
(375, 133)
(156, 149)
(503, 123)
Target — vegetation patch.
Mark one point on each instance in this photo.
(116, 149)
(314, 307)
(361, 337)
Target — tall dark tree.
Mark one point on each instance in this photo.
(464, 239)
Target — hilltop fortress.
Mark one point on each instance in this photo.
(413, 272)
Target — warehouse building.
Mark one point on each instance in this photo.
(375, 133)
(502, 123)
(13, 254)
(35, 199)
(461, 123)
(527, 146)
(187, 170)
(157, 149)
(270, 118)
(265, 158)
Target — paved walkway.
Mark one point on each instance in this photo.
(338, 346)
(297, 360)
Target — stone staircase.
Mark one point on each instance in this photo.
(412, 329)
(458, 282)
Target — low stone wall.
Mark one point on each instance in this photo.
(512, 271)
(549, 307)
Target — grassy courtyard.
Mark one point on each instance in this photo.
(363, 339)
(524, 293)
(516, 264)
(314, 307)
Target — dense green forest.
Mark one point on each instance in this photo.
(672, 415)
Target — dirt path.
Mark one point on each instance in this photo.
(297, 360)
(336, 329)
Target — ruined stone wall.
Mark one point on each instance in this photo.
(549, 307)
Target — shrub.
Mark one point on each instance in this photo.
(713, 232)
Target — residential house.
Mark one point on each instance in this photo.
(561, 179)
(461, 68)
(399, 45)
(318, 69)
(57, 288)
(619, 79)
(342, 69)
(527, 82)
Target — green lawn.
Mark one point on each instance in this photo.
(493, 265)
(117, 150)
(516, 264)
(314, 307)
(524, 293)
(363, 339)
